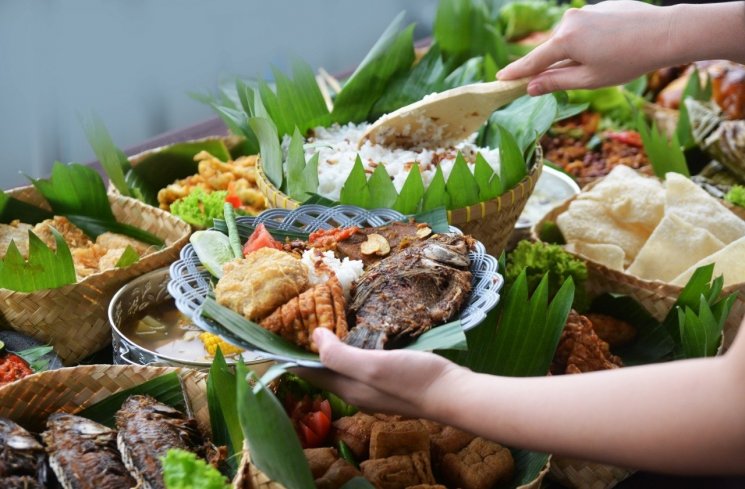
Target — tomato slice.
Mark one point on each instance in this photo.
(260, 238)
(325, 408)
(233, 200)
(308, 438)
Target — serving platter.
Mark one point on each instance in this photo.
(191, 284)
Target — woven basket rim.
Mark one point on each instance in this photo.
(174, 222)
(136, 158)
(529, 182)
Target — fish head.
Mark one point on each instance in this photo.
(454, 254)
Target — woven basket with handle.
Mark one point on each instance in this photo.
(492, 222)
(73, 318)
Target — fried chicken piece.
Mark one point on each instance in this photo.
(320, 459)
(613, 331)
(337, 475)
(399, 471)
(321, 306)
(355, 431)
(398, 438)
(480, 465)
(258, 284)
(17, 232)
(581, 349)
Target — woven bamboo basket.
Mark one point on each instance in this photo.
(657, 297)
(73, 318)
(250, 477)
(492, 222)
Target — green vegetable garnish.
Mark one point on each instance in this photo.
(200, 208)
(183, 470)
(538, 259)
(736, 195)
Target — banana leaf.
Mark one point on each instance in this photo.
(129, 257)
(466, 29)
(166, 389)
(12, 209)
(223, 408)
(44, 268)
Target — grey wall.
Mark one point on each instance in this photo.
(133, 62)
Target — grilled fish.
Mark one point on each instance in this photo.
(147, 430)
(404, 295)
(83, 454)
(21, 457)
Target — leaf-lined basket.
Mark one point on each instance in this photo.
(491, 222)
(73, 318)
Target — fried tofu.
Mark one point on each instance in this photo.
(398, 438)
(337, 475)
(399, 471)
(480, 465)
(355, 431)
(448, 440)
(320, 459)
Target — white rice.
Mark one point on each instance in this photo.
(321, 264)
(337, 148)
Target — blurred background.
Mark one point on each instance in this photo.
(134, 63)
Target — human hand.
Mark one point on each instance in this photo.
(411, 383)
(598, 45)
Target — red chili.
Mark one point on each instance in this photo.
(632, 138)
(233, 200)
(12, 368)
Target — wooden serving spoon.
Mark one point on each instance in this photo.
(444, 118)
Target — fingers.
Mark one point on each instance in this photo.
(535, 62)
(569, 77)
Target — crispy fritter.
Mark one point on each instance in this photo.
(337, 475)
(581, 349)
(258, 284)
(480, 465)
(398, 438)
(613, 331)
(321, 306)
(73, 235)
(399, 471)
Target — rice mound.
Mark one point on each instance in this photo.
(337, 148)
(321, 264)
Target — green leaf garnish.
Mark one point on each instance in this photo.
(271, 154)
(12, 209)
(436, 194)
(355, 191)
(36, 357)
(461, 185)
(385, 194)
(525, 119)
(512, 166)
(129, 257)
(468, 29)
(223, 408)
(408, 201)
(184, 470)
(490, 185)
(44, 269)
(112, 159)
(665, 156)
(692, 90)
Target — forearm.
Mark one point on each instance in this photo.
(710, 31)
(684, 417)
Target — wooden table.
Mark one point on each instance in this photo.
(640, 480)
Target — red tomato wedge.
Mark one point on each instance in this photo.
(233, 200)
(260, 238)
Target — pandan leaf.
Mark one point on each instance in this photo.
(392, 54)
(246, 95)
(436, 195)
(112, 159)
(409, 199)
(129, 257)
(271, 153)
(490, 185)
(355, 190)
(511, 162)
(310, 176)
(12, 209)
(382, 192)
(461, 185)
(295, 167)
(665, 156)
(44, 269)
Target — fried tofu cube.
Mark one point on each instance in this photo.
(448, 440)
(480, 465)
(399, 471)
(427, 486)
(398, 438)
(337, 475)
(320, 459)
(355, 431)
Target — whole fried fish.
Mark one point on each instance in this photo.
(83, 454)
(21, 458)
(147, 430)
(404, 295)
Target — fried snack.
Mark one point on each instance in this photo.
(398, 438)
(355, 431)
(321, 306)
(581, 349)
(258, 284)
(448, 440)
(338, 474)
(613, 331)
(73, 235)
(399, 471)
(320, 459)
(17, 232)
(237, 176)
(480, 465)
(427, 486)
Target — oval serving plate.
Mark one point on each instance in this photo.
(191, 284)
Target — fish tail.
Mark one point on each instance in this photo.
(366, 338)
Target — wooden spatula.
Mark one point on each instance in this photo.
(444, 118)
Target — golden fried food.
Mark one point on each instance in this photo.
(257, 285)
(480, 465)
(17, 232)
(337, 475)
(322, 306)
(399, 471)
(320, 459)
(398, 438)
(581, 349)
(355, 431)
(237, 176)
(73, 235)
(613, 331)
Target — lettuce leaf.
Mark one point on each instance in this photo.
(183, 470)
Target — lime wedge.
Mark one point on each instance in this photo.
(213, 250)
